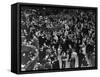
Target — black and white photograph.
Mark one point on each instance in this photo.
(49, 38)
(54, 38)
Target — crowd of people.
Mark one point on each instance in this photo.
(57, 38)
